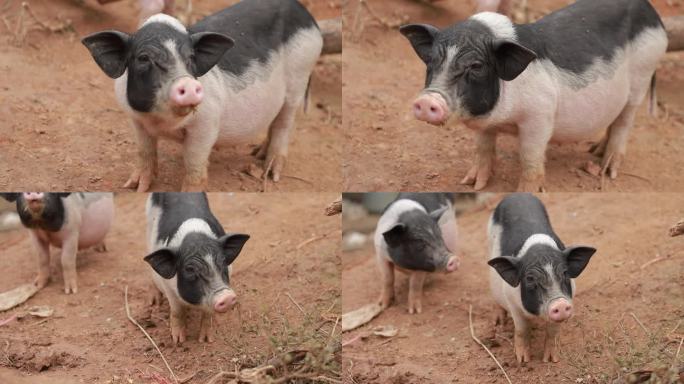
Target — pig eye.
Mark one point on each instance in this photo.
(191, 272)
(143, 58)
(476, 66)
(530, 280)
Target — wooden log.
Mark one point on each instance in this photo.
(332, 35)
(674, 25)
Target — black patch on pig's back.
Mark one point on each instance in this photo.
(520, 216)
(178, 207)
(258, 27)
(429, 201)
(573, 37)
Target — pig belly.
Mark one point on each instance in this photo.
(250, 111)
(96, 220)
(586, 113)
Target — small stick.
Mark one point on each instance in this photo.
(640, 323)
(128, 314)
(657, 259)
(472, 334)
(311, 240)
(295, 303)
(678, 349)
(265, 178)
(297, 178)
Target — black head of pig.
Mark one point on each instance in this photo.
(156, 56)
(39, 210)
(201, 265)
(544, 275)
(465, 64)
(415, 242)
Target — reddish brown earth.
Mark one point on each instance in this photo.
(90, 340)
(601, 342)
(61, 128)
(386, 149)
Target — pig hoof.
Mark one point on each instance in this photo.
(551, 357)
(41, 281)
(531, 186)
(611, 163)
(178, 336)
(70, 288)
(142, 179)
(478, 177)
(275, 166)
(415, 309)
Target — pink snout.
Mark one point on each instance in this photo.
(560, 310)
(452, 264)
(224, 300)
(186, 92)
(33, 196)
(431, 108)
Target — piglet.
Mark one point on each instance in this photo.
(417, 234)
(70, 221)
(190, 257)
(533, 272)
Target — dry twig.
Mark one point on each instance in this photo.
(640, 323)
(128, 314)
(472, 334)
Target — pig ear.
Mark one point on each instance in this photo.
(440, 215)
(394, 234)
(209, 48)
(109, 49)
(163, 261)
(232, 245)
(11, 197)
(507, 267)
(577, 258)
(511, 59)
(421, 37)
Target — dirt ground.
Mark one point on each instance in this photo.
(601, 342)
(61, 128)
(286, 278)
(386, 149)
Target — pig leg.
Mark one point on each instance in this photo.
(480, 173)
(146, 170)
(177, 321)
(207, 328)
(155, 296)
(69, 249)
(387, 272)
(616, 138)
(274, 149)
(551, 342)
(416, 291)
(521, 338)
(533, 138)
(500, 316)
(43, 248)
(196, 150)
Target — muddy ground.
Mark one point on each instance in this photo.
(287, 279)
(61, 128)
(600, 343)
(386, 149)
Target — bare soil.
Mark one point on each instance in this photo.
(602, 342)
(61, 128)
(386, 149)
(287, 279)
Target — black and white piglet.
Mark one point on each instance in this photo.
(417, 234)
(229, 77)
(70, 221)
(533, 272)
(576, 73)
(190, 255)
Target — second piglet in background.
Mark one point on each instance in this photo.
(533, 271)
(191, 256)
(417, 234)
